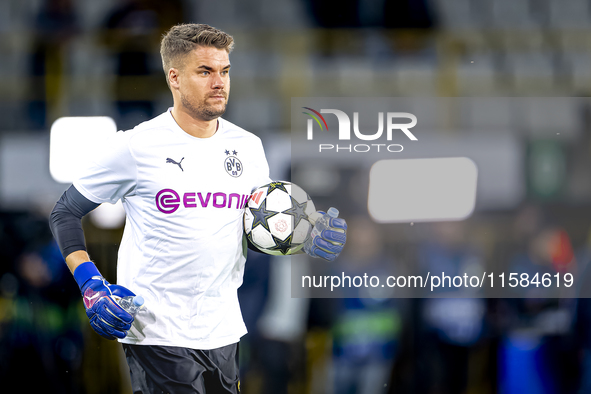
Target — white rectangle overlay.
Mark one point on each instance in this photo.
(72, 138)
(422, 190)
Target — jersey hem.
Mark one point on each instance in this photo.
(197, 345)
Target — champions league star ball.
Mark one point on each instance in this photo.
(276, 218)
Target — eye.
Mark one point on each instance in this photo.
(225, 72)
(204, 73)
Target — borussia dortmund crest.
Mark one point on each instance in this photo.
(232, 164)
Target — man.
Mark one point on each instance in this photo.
(182, 247)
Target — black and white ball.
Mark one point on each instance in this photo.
(276, 218)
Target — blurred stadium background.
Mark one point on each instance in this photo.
(100, 58)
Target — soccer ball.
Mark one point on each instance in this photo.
(276, 218)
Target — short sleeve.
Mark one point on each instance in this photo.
(262, 167)
(111, 174)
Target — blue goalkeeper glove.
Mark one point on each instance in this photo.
(331, 241)
(107, 318)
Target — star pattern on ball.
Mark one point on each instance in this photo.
(227, 152)
(283, 246)
(234, 152)
(261, 215)
(276, 186)
(297, 211)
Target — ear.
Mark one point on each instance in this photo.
(173, 78)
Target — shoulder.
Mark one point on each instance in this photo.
(162, 121)
(153, 128)
(233, 131)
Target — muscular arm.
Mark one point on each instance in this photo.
(66, 226)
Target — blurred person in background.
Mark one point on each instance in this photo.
(536, 352)
(271, 353)
(274, 351)
(451, 328)
(41, 341)
(367, 321)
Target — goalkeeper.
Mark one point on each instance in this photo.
(182, 246)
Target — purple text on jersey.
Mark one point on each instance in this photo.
(168, 200)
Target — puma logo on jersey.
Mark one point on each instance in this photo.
(169, 160)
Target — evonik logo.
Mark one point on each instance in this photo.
(344, 132)
(168, 200)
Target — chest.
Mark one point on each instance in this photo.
(213, 167)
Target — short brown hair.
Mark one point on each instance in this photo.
(182, 39)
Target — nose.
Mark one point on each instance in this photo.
(217, 82)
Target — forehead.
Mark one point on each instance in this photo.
(207, 56)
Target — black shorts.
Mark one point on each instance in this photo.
(177, 370)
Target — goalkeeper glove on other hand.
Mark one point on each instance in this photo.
(329, 244)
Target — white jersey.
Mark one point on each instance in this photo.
(182, 247)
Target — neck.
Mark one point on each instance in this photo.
(195, 127)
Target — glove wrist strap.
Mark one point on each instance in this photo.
(84, 272)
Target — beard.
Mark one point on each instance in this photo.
(202, 110)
